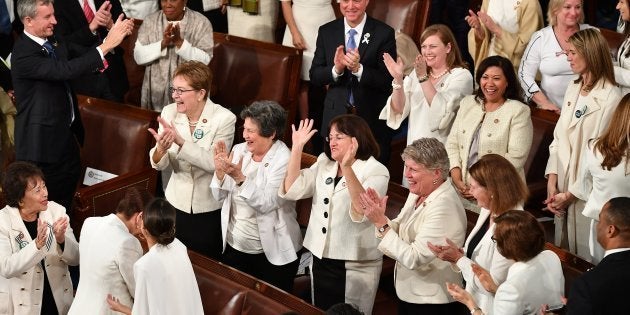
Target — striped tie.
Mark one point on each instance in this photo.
(87, 11)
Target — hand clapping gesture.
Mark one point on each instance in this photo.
(485, 278)
(351, 60)
(350, 156)
(224, 166)
(102, 17)
(373, 207)
(59, 229)
(395, 68)
(449, 252)
(420, 66)
(42, 233)
(474, 23)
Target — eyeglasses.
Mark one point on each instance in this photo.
(337, 137)
(179, 91)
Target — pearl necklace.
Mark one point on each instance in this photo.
(439, 75)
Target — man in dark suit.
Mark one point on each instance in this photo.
(74, 27)
(602, 290)
(353, 68)
(48, 127)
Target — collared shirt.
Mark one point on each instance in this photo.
(616, 250)
(41, 42)
(357, 38)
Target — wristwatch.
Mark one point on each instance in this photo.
(382, 230)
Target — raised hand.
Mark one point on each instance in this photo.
(118, 32)
(59, 229)
(303, 133)
(395, 68)
(493, 27)
(102, 17)
(220, 157)
(460, 295)
(176, 37)
(485, 278)
(350, 156)
(351, 60)
(164, 140)
(167, 36)
(166, 126)
(474, 23)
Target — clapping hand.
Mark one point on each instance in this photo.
(303, 133)
(42, 233)
(474, 23)
(485, 278)
(164, 139)
(449, 252)
(220, 157)
(176, 37)
(420, 65)
(460, 295)
(59, 229)
(373, 206)
(102, 17)
(395, 68)
(339, 60)
(351, 60)
(489, 23)
(350, 156)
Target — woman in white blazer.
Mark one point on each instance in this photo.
(432, 213)
(165, 280)
(588, 105)
(261, 235)
(534, 279)
(494, 120)
(604, 172)
(188, 130)
(346, 264)
(495, 184)
(36, 246)
(108, 251)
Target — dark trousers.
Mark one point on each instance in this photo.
(329, 287)
(258, 266)
(454, 308)
(200, 232)
(62, 177)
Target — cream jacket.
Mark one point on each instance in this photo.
(278, 228)
(331, 232)
(506, 131)
(193, 164)
(571, 135)
(21, 273)
(420, 277)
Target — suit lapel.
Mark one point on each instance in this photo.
(364, 39)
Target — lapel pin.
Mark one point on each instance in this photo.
(366, 38)
(198, 134)
(329, 180)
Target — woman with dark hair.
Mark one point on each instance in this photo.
(431, 213)
(260, 232)
(604, 172)
(36, 246)
(165, 280)
(497, 187)
(189, 128)
(534, 279)
(346, 264)
(588, 105)
(622, 62)
(108, 250)
(494, 120)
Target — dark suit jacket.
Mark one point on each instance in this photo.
(371, 93)
(42, 126)
(604, 289)
(72, 27)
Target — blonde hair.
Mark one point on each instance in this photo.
(556, 5)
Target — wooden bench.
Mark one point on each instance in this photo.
(225, 290)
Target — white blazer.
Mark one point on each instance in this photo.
(166, 283)
(531, 284)
(21, 274)
(420, 277)
(331, 232)
(488, 257)
(571, 135)
(506, 131)
(108, 252)
(193, 163)
(278, 228)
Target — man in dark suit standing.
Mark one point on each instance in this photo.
(83, 26)
(349, 59)
(602, 290)
(48, 127)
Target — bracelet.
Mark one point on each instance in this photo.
(395, 85)
(475, 309)
(423, 78)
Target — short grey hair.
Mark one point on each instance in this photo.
(429, 152)
(29, 7)
(269, 116)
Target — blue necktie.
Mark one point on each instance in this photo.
(5, 19)
(351, 45)
(51, 52)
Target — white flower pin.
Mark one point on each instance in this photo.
(366, 39)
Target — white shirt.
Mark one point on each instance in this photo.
(357, 37)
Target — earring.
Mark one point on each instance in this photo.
(435, 181)
(491, 196)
